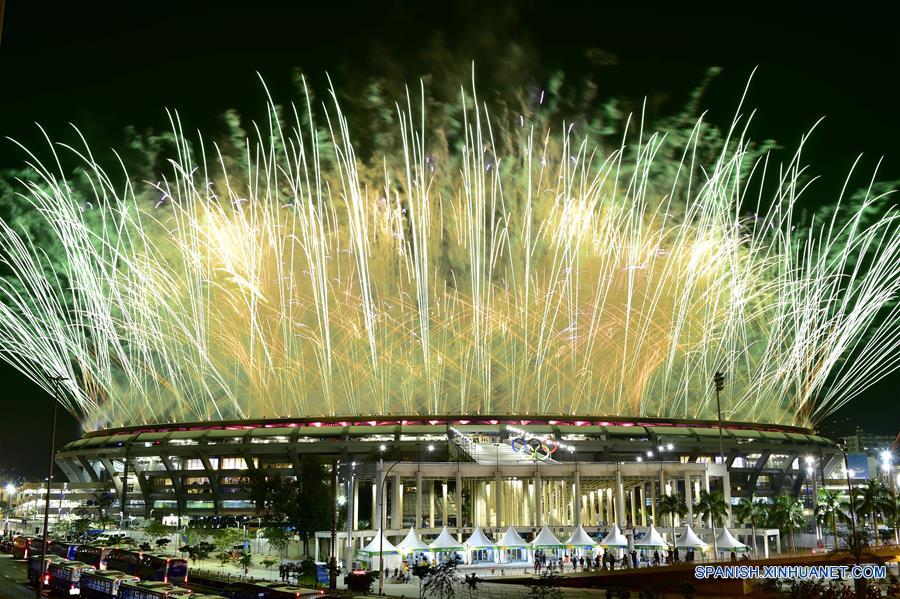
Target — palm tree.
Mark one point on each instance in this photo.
(828, 507)
(712, 507)
(750, 511)
(873, 500)
(787, 514)
(672, 505)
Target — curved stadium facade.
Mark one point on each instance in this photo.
(459, 472)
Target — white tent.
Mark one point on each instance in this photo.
(725, 541)
(689, 539)
(479, 547)
(478, 540)
(379, 544)
(411, 543)
(546, 539)
(614, 538)
(445, 542)
(511, 540)
(652, 540)
(580, 538)
(512, 545)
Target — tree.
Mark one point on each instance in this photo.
(223, 557)
(672, 506)
(712, 508)
(828, 506)
(787, 515)
(268, 561)
(278, 538)
(751, 512)
(303, 505)
(872, 501)
(546, 586)
(246, 560)
(443, 579)
(98, 508)
(157, 529)
(227, 538)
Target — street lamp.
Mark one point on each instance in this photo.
(56, 380)
(887, 466)
(719, 380)
(381, 517)
(10, 491)
(847, 472)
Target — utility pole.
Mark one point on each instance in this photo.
(332, 564)
(719, 380)
(39, 589)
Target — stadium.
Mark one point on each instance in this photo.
(518, 334)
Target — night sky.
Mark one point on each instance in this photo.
(109, 65)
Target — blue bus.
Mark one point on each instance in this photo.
(148, 566)
(103, 585)
(151, 590)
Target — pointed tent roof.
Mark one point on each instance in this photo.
(614, 538)
(512, 539)
(689, 539)
(378, 544)
(479, 540)
(546, 538)
(652, 539)
(725, 541)
(412, 543)
(580, 538)
(445, 542)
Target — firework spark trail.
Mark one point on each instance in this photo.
(554, 280)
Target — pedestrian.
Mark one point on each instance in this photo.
(669, 556)
(676, 555)
(733, 556)
(582, 562)
(656, 558)
(634, 559)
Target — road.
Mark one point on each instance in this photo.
(12, 579)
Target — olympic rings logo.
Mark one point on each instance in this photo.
(537, 449)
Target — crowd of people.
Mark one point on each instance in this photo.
(606, 560)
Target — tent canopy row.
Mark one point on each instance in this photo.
(545, 539)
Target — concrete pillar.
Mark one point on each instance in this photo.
(419, 490)
(778, 543)
(538, 500)
(396, 503)
(620, 500)
(430, 504)
(766, 546)
(378, 498)
(459, 506)
(355, 503)
(576, 500)
(643, 504)
(445, 518)
(633, 499)
(689, 498)
(653, 502)
(591, 511)
(498, 500)
(316, 547)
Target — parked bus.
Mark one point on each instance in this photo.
(36, 570)
(148, 566)
(63, 549)
(94, 555)
(65, 576)
(103, 585)
(21, 547)
(147, 589)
